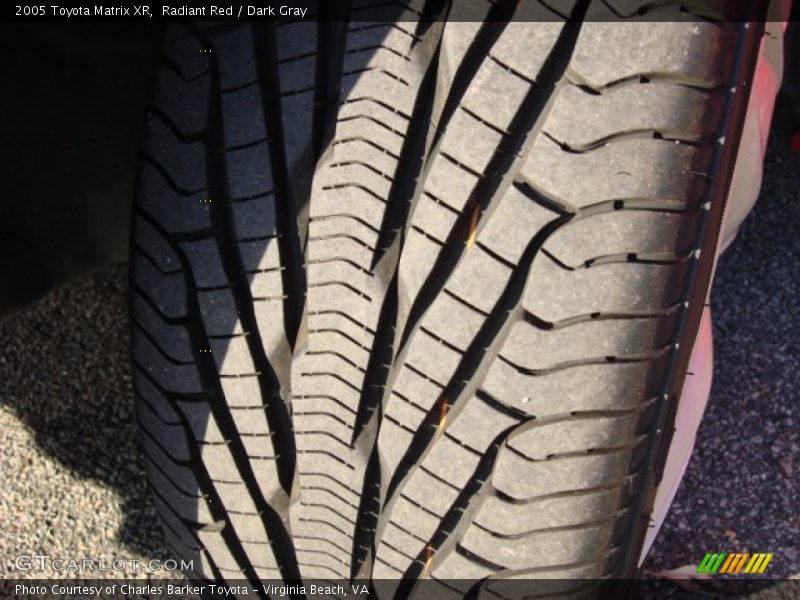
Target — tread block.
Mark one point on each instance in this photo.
(159, 252)
(436, 217)
(628, 165)
(249, 171)
(439, 503)
(416, 263)
(373, 125)
(528, 39)
(260, 554)
(183, 163)
(349, 197)
(233, 51)
(414, 381)
(330, 363)
(181, 475)
(266, 285)
(449, 183)
(241, 391)
(206, 263)
(295, 38)
(375, 114)
(435, 359)
(298, 76)
(610, 288)
(577, 434)
(408, 510)
(329, 226)
(479, 424)
(452, 321)
(260, 255)
(359, 336)
(176, 213)
(590, 340)
(167, 292)
(324, 421)
(497, 93)
(393, 442)
(557, 548)
(171, 377)
(479, 279)
(623, 232)
(342, 246)
(185, 102)
(243, 117)
(516, 213)
(213, 541)
(470, 142)
(521, 478)
(455, 568)
(183, 50)
(176, 344)
(333, 339)
(367, 82)
(339, 271)
(569, 389)
(584, 505)
(407, 413)
(694, 51)
(676, 111)
(298, 113)
(200, 420)
(247, 525)
(405, 543)
(169, 438)
(383, 37)
(451, 462)
(219, 313)
(232, 356)
(155, 400)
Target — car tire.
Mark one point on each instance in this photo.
(413, 296)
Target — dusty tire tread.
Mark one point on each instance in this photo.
(371, 299)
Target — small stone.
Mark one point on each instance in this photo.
(787, 464)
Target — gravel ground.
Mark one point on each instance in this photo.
(71, 478)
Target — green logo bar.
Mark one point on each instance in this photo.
(711, 563)
(704, 563)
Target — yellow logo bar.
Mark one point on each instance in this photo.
(758, 563)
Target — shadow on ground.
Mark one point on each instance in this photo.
(65, 372)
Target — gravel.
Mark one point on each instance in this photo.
(71, 476)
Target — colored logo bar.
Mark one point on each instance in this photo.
(720, 562)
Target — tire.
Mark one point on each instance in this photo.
(414, 298)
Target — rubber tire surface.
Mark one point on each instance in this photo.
(408, 297)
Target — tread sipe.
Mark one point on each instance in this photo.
(413, 297)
